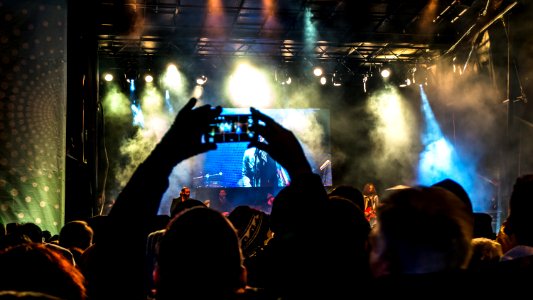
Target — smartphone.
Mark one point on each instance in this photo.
(230, 128)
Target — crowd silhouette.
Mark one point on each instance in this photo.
(424, 241)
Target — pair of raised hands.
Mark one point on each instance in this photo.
(192, 123)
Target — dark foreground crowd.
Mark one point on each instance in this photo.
(427, 241)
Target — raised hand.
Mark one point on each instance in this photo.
(280, 143)
(185, 136)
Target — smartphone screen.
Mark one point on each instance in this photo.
(230, 128)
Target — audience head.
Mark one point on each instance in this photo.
(98, 224)
(421, 230)
(483, 226)
(12, 227)
(76, 234)
(199, 256)
(293, 210)
(504, 238)
(485, 252)
(35, 267)
(13, 239)
(31, 230)
(457, 189)
(46, 235)
(189, 203)
(520, 219)
(344, 237)
(252, 227)
(344, 219)
(351, 193)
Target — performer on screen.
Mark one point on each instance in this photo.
(260, 170)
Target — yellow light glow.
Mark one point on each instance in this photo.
(172, 80)
(248, 86)
(385, 73)
(108, 77)
(393, 118)
(197, 92)
(172, 77)
(151, 100)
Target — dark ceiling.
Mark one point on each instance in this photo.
(352, 33)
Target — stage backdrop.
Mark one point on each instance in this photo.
(32, 112)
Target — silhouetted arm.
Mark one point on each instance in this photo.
(295, 216)
(142, 194)
(284, 147)
(121, 270)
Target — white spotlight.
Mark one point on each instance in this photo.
(201, 80)
(108, 77)
(148, 78)
(250, 86)
(323, 80)
(172, 77)
(318, 71)
(288, 81)
(385, 72)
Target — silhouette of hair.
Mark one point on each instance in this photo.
(199, 255)
(344, 242)
(483, 226)
(76, 234)
(520, 220)
(351, 193)
(35, 267)
(422, 222)
(98, 224)
(183, 205)
(485, 252)
(454, 187)
(252, 226)
(31, 230)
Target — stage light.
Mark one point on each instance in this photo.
(323, 80)
(201, 80)
(385, 72)
(148, 78)
(108, 77)
(318, 71)
(336, 79)
(406, 83)
(250, 86)
(172, 78)
(288, 81)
